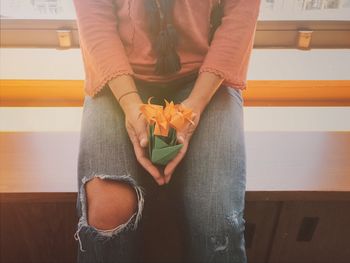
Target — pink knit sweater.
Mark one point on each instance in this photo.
(114, 41)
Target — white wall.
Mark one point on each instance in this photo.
(279, 64)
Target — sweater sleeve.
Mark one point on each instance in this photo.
(233, 41)
(102, 50)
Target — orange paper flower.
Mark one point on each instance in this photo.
(172, 115)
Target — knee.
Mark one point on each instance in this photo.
(109, 203)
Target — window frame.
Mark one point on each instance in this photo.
(43, 33)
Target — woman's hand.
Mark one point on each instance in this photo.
(125, 91)
(136, 126)
(204, 89)
(183, 136)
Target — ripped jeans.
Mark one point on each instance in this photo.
(203, 204)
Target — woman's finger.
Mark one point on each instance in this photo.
(142, 159)
(147, 164)
(183, 137)
(186, 133)
(170, 167)
(141, 132)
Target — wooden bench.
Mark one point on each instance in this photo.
(297, 200)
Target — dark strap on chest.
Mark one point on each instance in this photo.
(163, 34)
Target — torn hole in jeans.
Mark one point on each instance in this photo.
(106, 235)
(223, 241)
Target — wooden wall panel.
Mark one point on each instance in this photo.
(261, 219)
(37, 232)
(34, 231)
(310, 232)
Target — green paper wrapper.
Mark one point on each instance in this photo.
(162, 149)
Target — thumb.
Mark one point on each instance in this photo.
(143, 138)
(180, 138)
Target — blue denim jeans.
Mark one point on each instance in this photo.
(203, 202)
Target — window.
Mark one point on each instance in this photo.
(41, 23)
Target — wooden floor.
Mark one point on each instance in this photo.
(297, 200)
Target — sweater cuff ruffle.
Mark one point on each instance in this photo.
(104, 81)
(228, 81)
